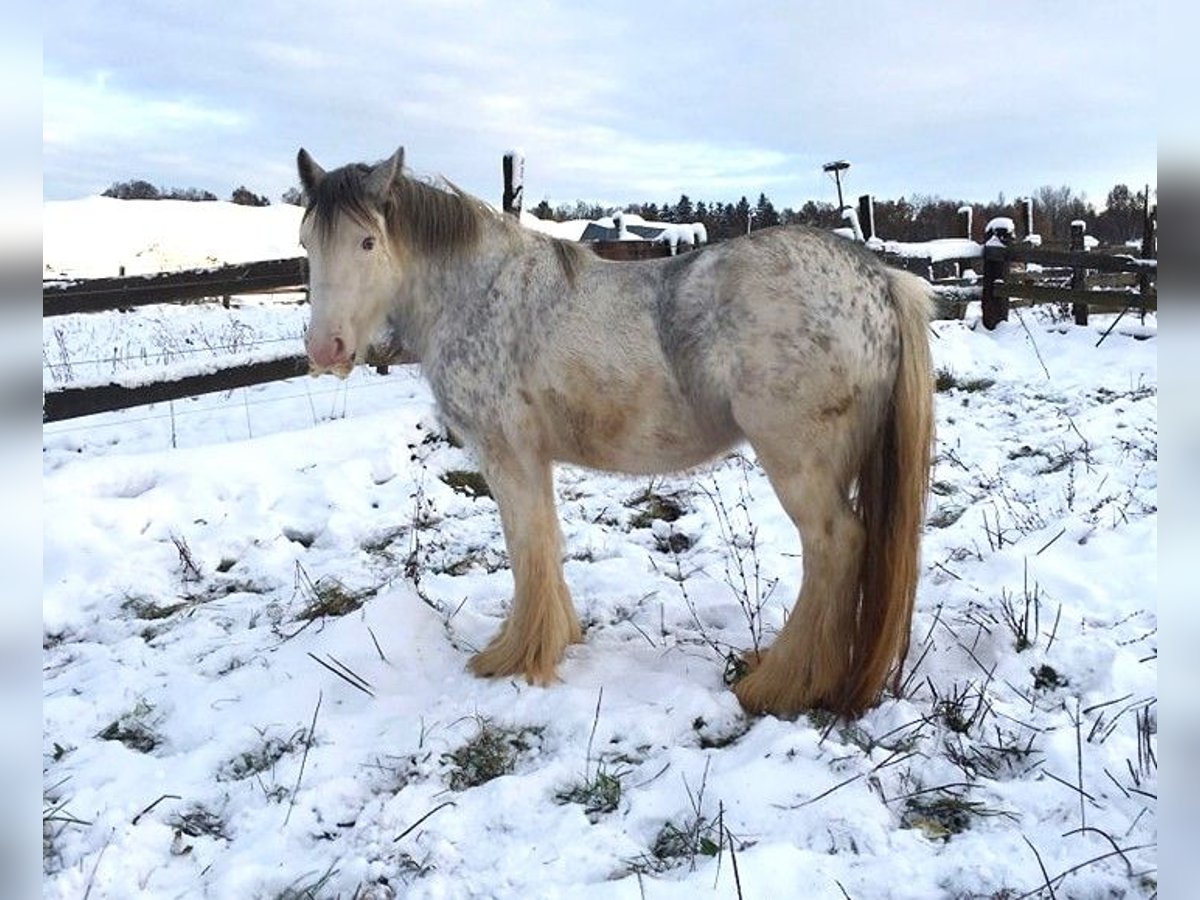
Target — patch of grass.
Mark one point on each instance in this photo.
(1006, 754)
(133, 729)
(945, 516)
(492, 752)
(1022, 616)
(1046, 678)
(960, 709)
(199, 821)
(469, 484)
(945, 380)
(56, 819)
(485, 558)
(672, 541)
(654, 507)
(261, 758)
(146, 608)
(382, 542)
(598, 794)
(697, 834)
(311, 886)
(327, 597)
(714, 739)
(943, 814)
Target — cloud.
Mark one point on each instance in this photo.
(79, 112)
(622, 101)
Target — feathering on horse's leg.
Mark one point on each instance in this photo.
(808, 665)
(542, 620)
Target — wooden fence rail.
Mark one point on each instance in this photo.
(60, 298)
(70, 403)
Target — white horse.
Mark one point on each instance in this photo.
(793, 339)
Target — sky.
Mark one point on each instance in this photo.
(614, 103)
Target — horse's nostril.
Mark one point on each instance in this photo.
(339, 348)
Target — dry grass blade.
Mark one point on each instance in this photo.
(187, 563)
(312, 728)
(342, 671)
(1042, 866)
(415, 824)
(138, 817)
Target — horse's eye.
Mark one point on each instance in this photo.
(368, 243)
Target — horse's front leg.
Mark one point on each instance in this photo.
(542, 620)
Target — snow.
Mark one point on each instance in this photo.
(1000, 223)
(182, 544)
(935, 250)
(96, 237)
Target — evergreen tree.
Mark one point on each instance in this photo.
(765, 215)
(685, 213)
(741, 216)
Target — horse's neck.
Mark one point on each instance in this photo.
(438, 288)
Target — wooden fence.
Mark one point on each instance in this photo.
(63, 297)
(1004, 286)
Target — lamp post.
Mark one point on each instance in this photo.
(837, 167)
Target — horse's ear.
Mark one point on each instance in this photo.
(311, 175)
(379, 182)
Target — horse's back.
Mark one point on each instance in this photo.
(787, 312)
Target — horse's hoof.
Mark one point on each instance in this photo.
(762, 693)
(500, 662)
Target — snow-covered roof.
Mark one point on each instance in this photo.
(621, 226)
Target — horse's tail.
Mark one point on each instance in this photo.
(892, 488)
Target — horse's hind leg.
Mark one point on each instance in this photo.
(809, 663)
(542, 620)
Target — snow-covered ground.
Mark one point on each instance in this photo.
(258, 608)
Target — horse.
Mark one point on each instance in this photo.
(796, 341)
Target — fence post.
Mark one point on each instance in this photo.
(964, 220)
(995, 267)
(1078, 309)
(514, 182)
(1026, 206)
(1149, 246)
(866, 215)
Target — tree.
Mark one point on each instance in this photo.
(245, 197)
(765, 214)
(685, 213)
(1121, 218)
(1055, 209)
(133, 190)
(543, 210)
(740, 220)
(293, 196)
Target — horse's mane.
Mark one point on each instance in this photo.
(424, 218)
(429, 219)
